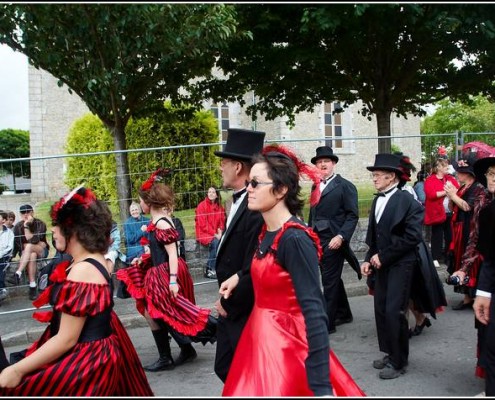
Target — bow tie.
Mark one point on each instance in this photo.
(326, 180)
(237, 196)
(382, 194)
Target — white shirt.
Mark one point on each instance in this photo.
(381, 202)
(233, 209)
(323, 184)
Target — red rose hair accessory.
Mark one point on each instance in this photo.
(156, 176)
(311, 172)
(462, 163)
(77, 196)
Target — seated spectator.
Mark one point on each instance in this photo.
(6, 247)
(134, 230)
(209, 225)
(114, 255)
(30, 243)
(9, 223)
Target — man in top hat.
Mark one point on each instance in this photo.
(30, 243)
(484, 308)
(237, 244)
(334, 218)
(394, 232)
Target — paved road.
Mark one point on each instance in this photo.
(441, 362)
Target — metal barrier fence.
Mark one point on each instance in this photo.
(196, 169)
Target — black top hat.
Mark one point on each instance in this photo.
(25, 208)
(464, 166)
(324, 152)
(481, 166)
(242, 144)
(386, 162)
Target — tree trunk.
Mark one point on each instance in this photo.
(122, 178)
(383, 125)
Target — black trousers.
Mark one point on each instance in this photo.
(228, 335)
(391, 300)
(441, 236)
(332, 263)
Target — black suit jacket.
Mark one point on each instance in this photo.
(337, 213)
(235, 254)
(400, 229)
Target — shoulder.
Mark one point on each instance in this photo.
(86, 272)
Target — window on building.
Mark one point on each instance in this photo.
(333, 125)
(221, 113)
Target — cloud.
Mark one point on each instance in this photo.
(14, 102)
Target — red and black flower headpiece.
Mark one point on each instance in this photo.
(310, 171)
(156, 176)
(62, 211)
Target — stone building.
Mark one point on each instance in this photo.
(353, 138)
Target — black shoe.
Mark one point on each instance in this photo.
(390, 372)
(33, 293)
(340, 321)
(380, 363)
(187, 354)
(330, 331)
(208, 334)
(162, 364)
(462, 305)
(418, 329)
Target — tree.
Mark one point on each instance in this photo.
(14, 143)
(395, 58)
(120, 58)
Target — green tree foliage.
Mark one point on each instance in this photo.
(163, 127)
(14, 143)
(395, 58)
(476, 115)
(120, 58)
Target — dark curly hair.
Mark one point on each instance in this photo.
(81, 215)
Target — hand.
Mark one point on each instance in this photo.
(366, 268)
(10, 377)
(481, 308)
(147, 250)
(335, 243)
(220, 310)
(174, 289)
(375, 261)
(228, 285)
(449, 189)
(144, 228)
(461, 275)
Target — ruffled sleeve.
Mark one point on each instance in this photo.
(166, 236)
(82, 299)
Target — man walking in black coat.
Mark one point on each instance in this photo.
(334, 218)
(394, 232)
(237, 244)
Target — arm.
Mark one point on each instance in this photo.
(351, 210)
(297, 254)
(66, 338)
(202, 227)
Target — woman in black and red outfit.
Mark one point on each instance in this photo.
(162, 285)
(85, 351)
(467, 201)
(284, 348)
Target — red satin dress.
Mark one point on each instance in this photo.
(270, 357)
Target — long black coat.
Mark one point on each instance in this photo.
(337, 213)
(235, 253)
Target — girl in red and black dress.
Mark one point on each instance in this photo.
(284, 347)
(85, 351)
(162, 285)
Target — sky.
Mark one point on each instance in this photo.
(14, 104)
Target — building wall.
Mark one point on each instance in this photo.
(53, 110)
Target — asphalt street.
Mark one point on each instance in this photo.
(441, 362)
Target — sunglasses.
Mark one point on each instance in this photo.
(255, 183)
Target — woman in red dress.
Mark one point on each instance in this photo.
(284, 347)
(162, 285)
(85, 351)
